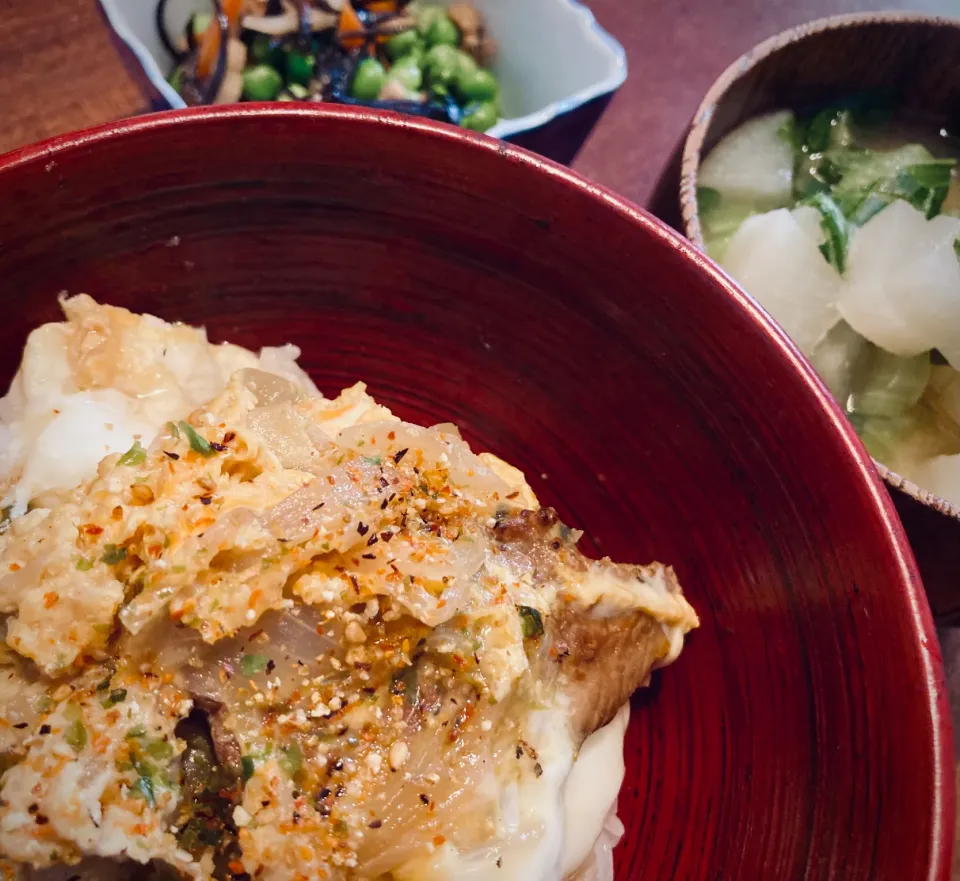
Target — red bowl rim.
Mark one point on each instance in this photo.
(912, 596)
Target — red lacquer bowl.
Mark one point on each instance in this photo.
(804, 732)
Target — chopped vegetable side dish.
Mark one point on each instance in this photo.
(419, 59)
(846, 228)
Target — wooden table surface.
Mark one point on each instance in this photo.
(60, 72)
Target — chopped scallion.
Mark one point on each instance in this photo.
(250, 665)
(198, 443)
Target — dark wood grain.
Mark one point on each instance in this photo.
(803, 735)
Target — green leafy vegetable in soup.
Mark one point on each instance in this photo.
(848, 232)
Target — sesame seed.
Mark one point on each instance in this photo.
(399, 752)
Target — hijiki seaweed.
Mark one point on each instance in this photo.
(397, 55)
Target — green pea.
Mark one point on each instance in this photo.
(368, 80)
(478, 85)
(402, 44)
(442, 64)
(261, 83)
(427, 15)
(408, 73)
(297, 91)
(443, 32)
(418, 53)
(480, 117)
(465, 62)
(299, 68)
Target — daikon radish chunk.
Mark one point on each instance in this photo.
(939, 475)
(902, 286)
(778, 262)
(754, 163)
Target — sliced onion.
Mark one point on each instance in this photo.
(282, 360)
(287, 433)
(334, 504)
(439, 575)
(269, 388)
(429, 449)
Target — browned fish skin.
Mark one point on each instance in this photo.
(605, 661)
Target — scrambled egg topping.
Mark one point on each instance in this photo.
(234, 648)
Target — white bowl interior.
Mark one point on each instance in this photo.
(552, 55)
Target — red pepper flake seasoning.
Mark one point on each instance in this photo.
(14, 567)
(50, 599)
(438, 840)
(392, 435)
(93, 529)
(331, 480)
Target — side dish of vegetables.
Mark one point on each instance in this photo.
(847, 231)
(420, 59)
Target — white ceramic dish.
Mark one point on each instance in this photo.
(552, 55)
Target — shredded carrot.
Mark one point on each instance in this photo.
(349, 28)
(210, 41)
